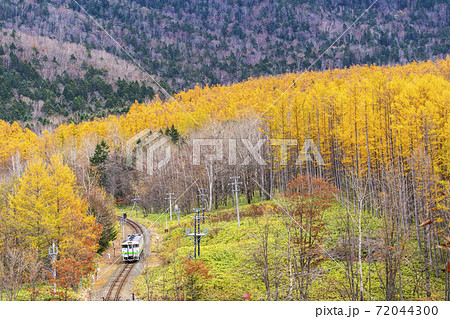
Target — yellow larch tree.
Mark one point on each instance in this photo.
(46, 207)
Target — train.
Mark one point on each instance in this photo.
(132, 247)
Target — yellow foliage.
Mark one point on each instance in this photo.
(364, 113)
(46, 207)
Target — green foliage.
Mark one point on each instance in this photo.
(217, 44)
(100, 154)
(98, 161)
(101, 205)
(172, 132)
(228, 250)
(64, 95)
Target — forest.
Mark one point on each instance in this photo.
(374, 218)
(220, 42)
(28, 96)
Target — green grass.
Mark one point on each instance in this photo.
(45, 293)
(227, 249)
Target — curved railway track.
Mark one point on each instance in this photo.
(117, 285)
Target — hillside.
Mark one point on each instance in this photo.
(372, 217)
(271, 150)
(235, 258)
(220, 42)
(45, 82)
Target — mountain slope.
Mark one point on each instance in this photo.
(44, 80)
(209, 42)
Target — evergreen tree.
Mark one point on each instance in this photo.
(100, 154)
(98, 161)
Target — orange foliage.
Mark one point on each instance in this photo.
(69, 272)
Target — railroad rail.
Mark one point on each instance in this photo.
(117, 285)
(137, 228)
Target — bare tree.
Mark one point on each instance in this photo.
(260, 262)
(13, 266)
(33, 272)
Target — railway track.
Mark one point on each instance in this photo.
(117, 285)
(137, 228)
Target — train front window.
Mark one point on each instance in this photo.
(124, 246)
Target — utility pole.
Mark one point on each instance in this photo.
(123, 220)
(53, 252)
(197, 225)
(202, 197)
(170, 202)
(197, 235)
(178, 212)
(135, 199)
(235, 190)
